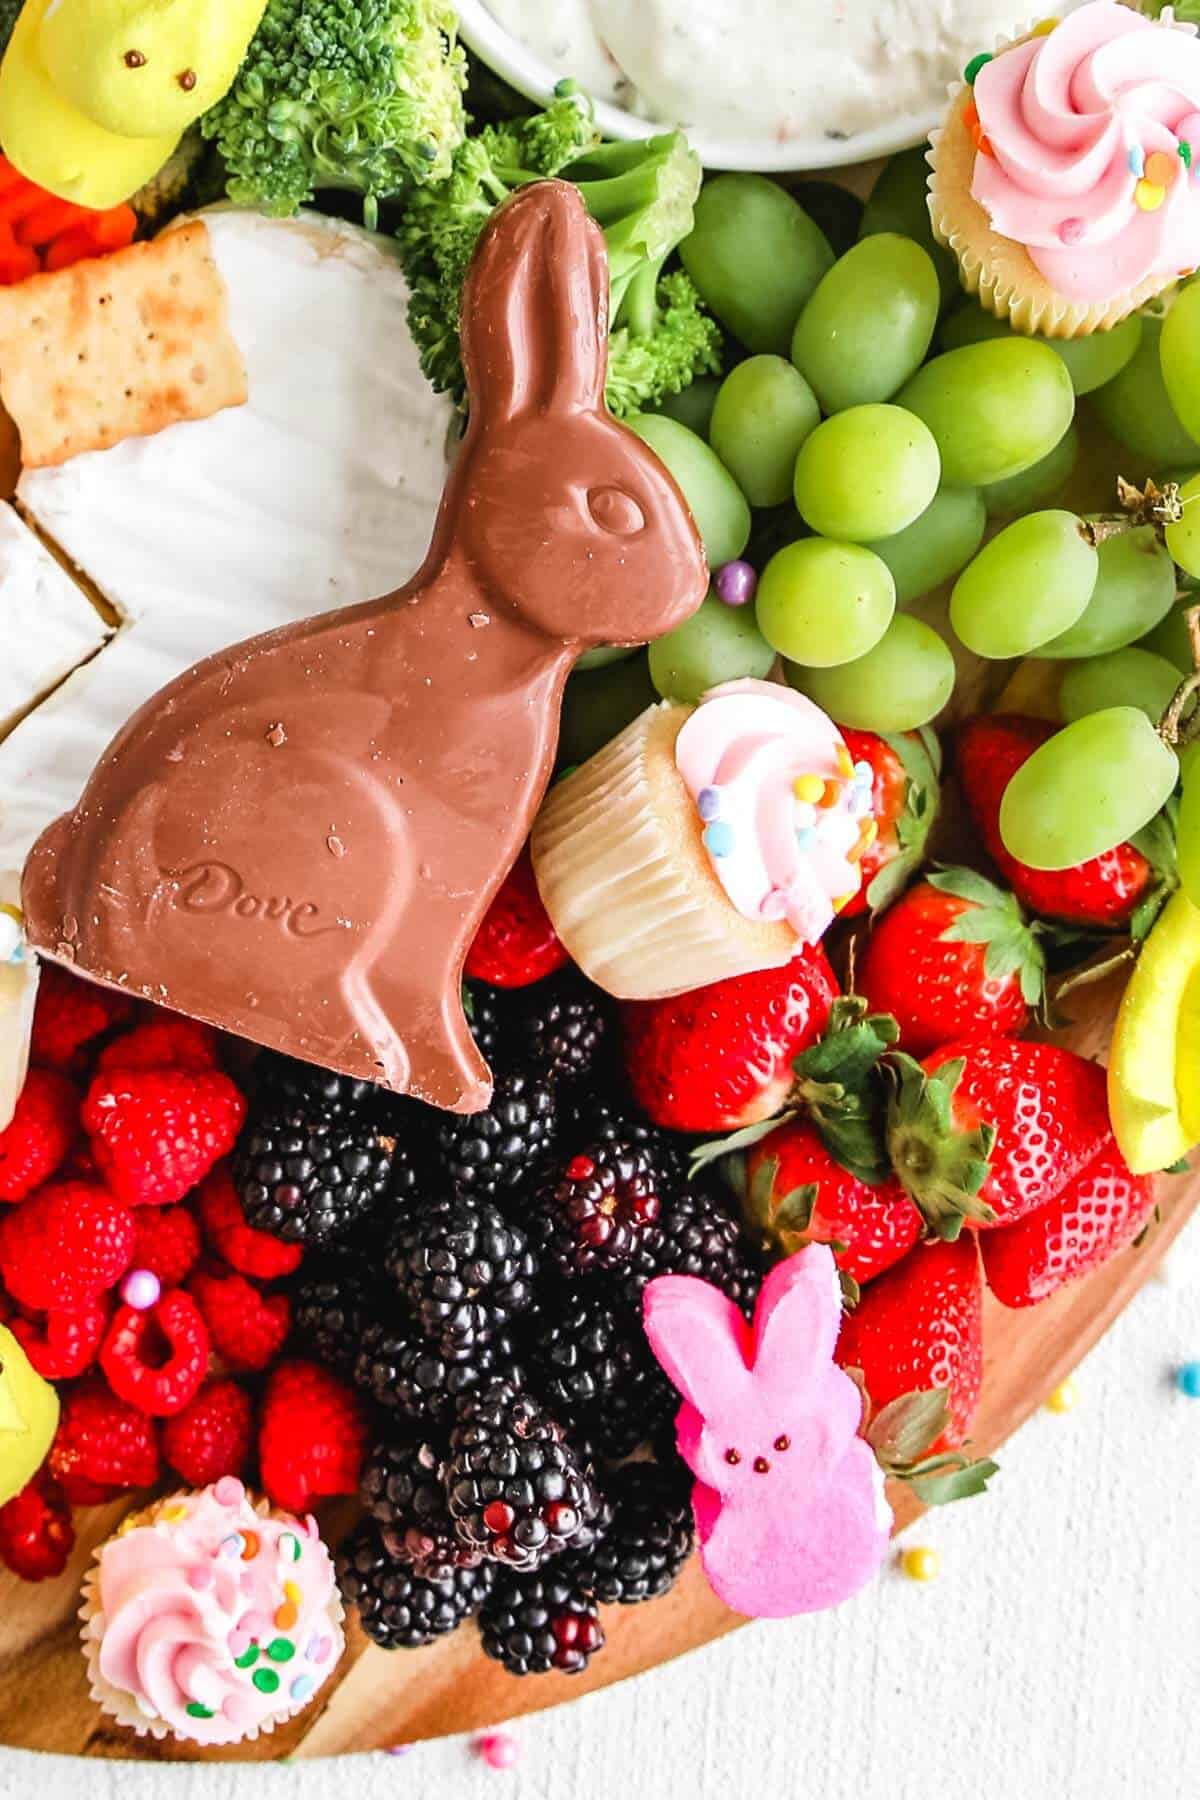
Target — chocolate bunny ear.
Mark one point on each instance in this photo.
(546, 259)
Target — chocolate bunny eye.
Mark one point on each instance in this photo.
(616, 511)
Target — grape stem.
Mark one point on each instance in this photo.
(1172, 727)
(1149, 505)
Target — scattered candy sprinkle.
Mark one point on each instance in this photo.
(806, 837)
(250, 1551)
(1185, 153)
(1044, 27)
(718, 838)
(1136, 159)
(921, 1563)
(247, 1659)
(708, 803)
(844, 762)
(1161, 169)
(1187, 1380)
(141, 1289)
(171, 1515)
(281, 1649)
(809, 788)
(1149, 197)
(1063, 1398)
(233, 1545)
(228, 1491)
(973, 67)
(265, 1680)
(291, 1547)
(736, 583)
(498, 1750)
(194, 1710)
(302, 1687)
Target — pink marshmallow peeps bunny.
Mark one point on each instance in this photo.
(789, 1501)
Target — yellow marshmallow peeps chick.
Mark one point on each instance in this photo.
(95, 94)
(28, 1417)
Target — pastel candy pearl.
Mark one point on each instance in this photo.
(228, 1491)
(141, 1289)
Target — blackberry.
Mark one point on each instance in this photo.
(491, 1016)
(599, 1211)
(517, 1489)
(566, 1027)
(588, 1116)
(535, 1623)
(486, 1153)
(404, 1374)
(650, 1538)
(592, 1365)
(699, 1236)
(331, 1309)
(398, 1608)
(401, 1486)
(314, 1155)
(463, 1270)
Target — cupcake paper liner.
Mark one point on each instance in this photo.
(627, 882)
(998, 270)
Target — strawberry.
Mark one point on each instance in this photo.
(36, 1533)
(312, 1436)
(1106, 891)
(248, 1328)
(720, 1057)
(37, 1139)
(797, 1194)
(156, 1357)
(249, 1251)
(62, 1345)
(920, 1327)
(954, 957)
(164, 1041)
(70, 1013)
(103, 1446)
(516, 943)
(988, 1129)
(904, 804)
(1094, 1216)
(212, 1435)
(66, 1246)
(167, 1242)
(156, 1132)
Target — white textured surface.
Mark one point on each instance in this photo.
(1058, 1655)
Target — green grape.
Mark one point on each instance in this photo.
(898, 203)
(1134, 589)
(936, 545)
(598, 703)
(867, 327)
(1085, 790)
(1136, 408)
(866, 473)
(1129, 677)
(718, 643)
(693, 405)
(902, 682)
(1187, 825)
(1037, 484)
(833, 208)
(1026, 586)
(1172, 639)
(718, 504)
(1091, 360)
(1179, 349)
(995, 408)
(755, 256)
(763, 414)
(821, 602)
(1183, 539)
(603, 654)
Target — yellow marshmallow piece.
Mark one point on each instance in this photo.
(28, 1417)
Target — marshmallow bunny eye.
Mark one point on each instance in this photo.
(616, 511)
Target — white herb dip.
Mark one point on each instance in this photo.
(769, 69)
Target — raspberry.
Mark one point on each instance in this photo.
(157, 1358)
(164, 1041)
(248, 1251)
(167, 1243)
(42, 1130)
(156, 1132)
(248, 1328)
(516, 943)
(71, 1012)
(66, 1246)
(212, 1435)
(36, 1534)
(312, 1436)
(62, 1345)
(103, 1446)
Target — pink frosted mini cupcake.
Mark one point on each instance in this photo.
(210, 1619)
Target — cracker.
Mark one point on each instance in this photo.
(118, 347)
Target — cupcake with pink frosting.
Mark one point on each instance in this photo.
(210, 1619)
(704, 842)
(1066, 178)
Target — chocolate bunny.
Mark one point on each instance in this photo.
(297, 838)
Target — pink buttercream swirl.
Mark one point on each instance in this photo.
(777, 854)
(1071, 118)
(216, 1618)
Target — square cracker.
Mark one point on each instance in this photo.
(118, 347)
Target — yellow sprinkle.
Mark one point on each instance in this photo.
(844, 761)
(809, 788)
(868, 831)
(1063, 1398)
(921, 1563)
(843, 900)
(291, 1592)
(1148, 196)
(171, 1515)
(1044, 27)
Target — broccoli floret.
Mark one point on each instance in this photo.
(641, 193)
(360, 95)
